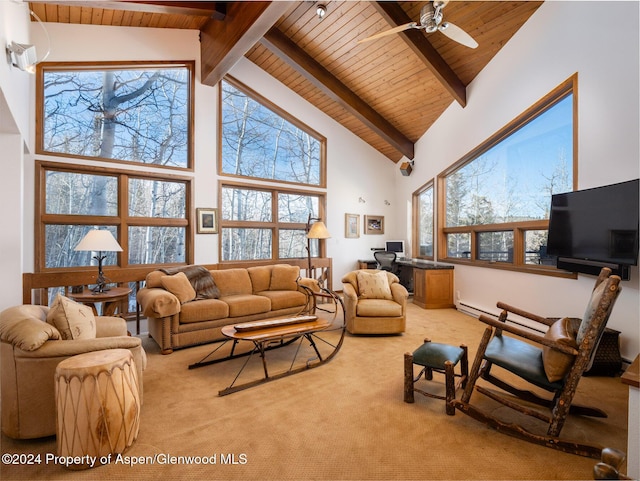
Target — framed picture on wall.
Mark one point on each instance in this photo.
(374, 224)
(352, 226)
(207, 221)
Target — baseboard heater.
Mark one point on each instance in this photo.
(476, 311)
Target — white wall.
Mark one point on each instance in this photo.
(15, 107)
(559, 40)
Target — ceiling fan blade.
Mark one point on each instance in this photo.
(397, 29)
(456, 33)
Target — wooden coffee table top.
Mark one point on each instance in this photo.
(275, 328)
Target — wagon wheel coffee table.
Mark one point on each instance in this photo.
(311, 341)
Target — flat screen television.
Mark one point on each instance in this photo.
(396, 246)
(594, 228)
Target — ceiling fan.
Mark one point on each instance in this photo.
(431, 20)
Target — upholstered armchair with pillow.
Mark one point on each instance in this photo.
(375, 302)
(34, 339)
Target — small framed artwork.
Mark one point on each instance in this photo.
(374, 224)
(352, 226)
(207, 221)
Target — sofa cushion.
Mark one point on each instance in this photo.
(73, 320)
(378, 308)
(203, 310)
(179, 286)
(374, 285)
(556, 363)
(284, 277)
(247, 304)
(232, 282)
(284, 299)
(260, 278)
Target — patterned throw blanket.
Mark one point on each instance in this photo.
(200, 278)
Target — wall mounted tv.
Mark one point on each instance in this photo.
(594, 228)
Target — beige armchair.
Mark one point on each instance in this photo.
(30, 350)
(375, 302)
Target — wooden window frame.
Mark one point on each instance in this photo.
(113, 65)
(568, 87)
(274, 225)
(415, 204)
(121, 220)
(285, 115)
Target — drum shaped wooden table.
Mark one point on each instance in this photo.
(98, 404)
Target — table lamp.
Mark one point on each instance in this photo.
(314, 231)
(99, 241)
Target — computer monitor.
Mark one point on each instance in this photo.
(396, 246)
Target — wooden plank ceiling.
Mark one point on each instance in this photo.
(388, 91)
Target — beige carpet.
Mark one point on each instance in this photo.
(345, 420)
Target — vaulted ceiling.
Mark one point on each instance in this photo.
(387, 91)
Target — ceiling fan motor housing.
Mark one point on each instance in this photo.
(431, 17)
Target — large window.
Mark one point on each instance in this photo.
(423, 222)
(257, 140)
(495, 207)
(146, 213)
(125, 112)
(260, 141)
(266, 223)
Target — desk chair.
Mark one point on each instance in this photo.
(386, 261)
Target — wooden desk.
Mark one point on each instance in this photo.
(432, 284)
(111, 300)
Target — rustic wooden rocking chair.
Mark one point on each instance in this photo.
(555, 364)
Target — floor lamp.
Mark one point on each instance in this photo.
(317, 230)
(99, 241)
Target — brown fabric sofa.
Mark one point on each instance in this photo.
(245, 294)
(30, 350)
(373, 313)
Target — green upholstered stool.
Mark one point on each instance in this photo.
(442, 358)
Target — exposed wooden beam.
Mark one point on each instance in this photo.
(223, 43)
(304, 64)
(393, 13)
(203, 9)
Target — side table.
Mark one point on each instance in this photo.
(111, 300)
(98, 406)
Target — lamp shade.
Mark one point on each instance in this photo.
(99, 240)
(318, 231)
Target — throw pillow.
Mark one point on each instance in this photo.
(72, 319)
(284, 277)
(154, 279)
(28, 334)
(556, 364)
(374, 285)
(179, 285)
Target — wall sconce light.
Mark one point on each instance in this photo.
(321, 11)
(406, 168)
(24, 56)
(21, 55)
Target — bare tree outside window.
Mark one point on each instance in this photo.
(127, 114)
(120, 113)
(500, 195)
(259, 142)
